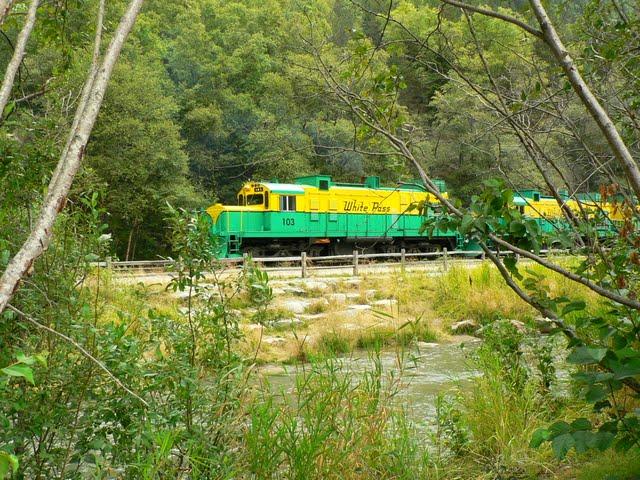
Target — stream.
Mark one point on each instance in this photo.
(429, 369)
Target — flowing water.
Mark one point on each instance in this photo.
(427, 370)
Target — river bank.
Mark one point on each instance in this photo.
(377, 356)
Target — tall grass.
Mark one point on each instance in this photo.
(488, 425)
(334, 426)
(481, 294)
(477, 293)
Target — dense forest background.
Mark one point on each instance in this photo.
(210, 93)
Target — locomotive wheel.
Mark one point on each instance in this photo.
(315, 251)
(283, 252)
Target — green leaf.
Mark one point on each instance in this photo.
(559, 428)
(22, 358)
(593, 377)
(573, 307)
(581, 424)
(540, 436)
(602, 440)
(629, 369)
(586, 355)
(41, 358)
(625, 443)
(8, 109)
(517, 228)
(19, 371)
(511, 264)
(599, 406)
(582, 439)
(595, 393)
(465, 225)
(562, 444)
(7, 462)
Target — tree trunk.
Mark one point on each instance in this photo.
(126, 255)
(86, 90)
(598, 113)
(5, 8)
(70, 161)
(18, 53)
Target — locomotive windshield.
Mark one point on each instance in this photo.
(256, 199)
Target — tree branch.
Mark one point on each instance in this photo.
(18, 55)
(358, 107)
(494, 14)
(549, 35)
(84, 97)
(81, 349)
(593, 106)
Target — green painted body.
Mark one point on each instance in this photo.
(236, 228)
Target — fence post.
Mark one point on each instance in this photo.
(445, 257)
(402, 258)
(483, 256)
(245, 260)
(303, 264)
(355, 263)
(108, 262)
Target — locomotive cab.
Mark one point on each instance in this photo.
(254, 195)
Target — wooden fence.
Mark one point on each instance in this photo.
(306, 264)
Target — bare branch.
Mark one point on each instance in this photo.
(86, 90)
(494, 14)
(632, 383)
(366, 114)
(549, 35)
(81, 349)
(524, 296)
(593, 106)
(33, 95)
(622, 300)
(5, 8)
(18, 55)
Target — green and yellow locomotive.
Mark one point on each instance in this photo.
(322, 217)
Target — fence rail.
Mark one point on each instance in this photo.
(307, 264)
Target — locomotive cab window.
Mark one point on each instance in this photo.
(255, 199)
(240, 199)
(288, 203)
(324, 184)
